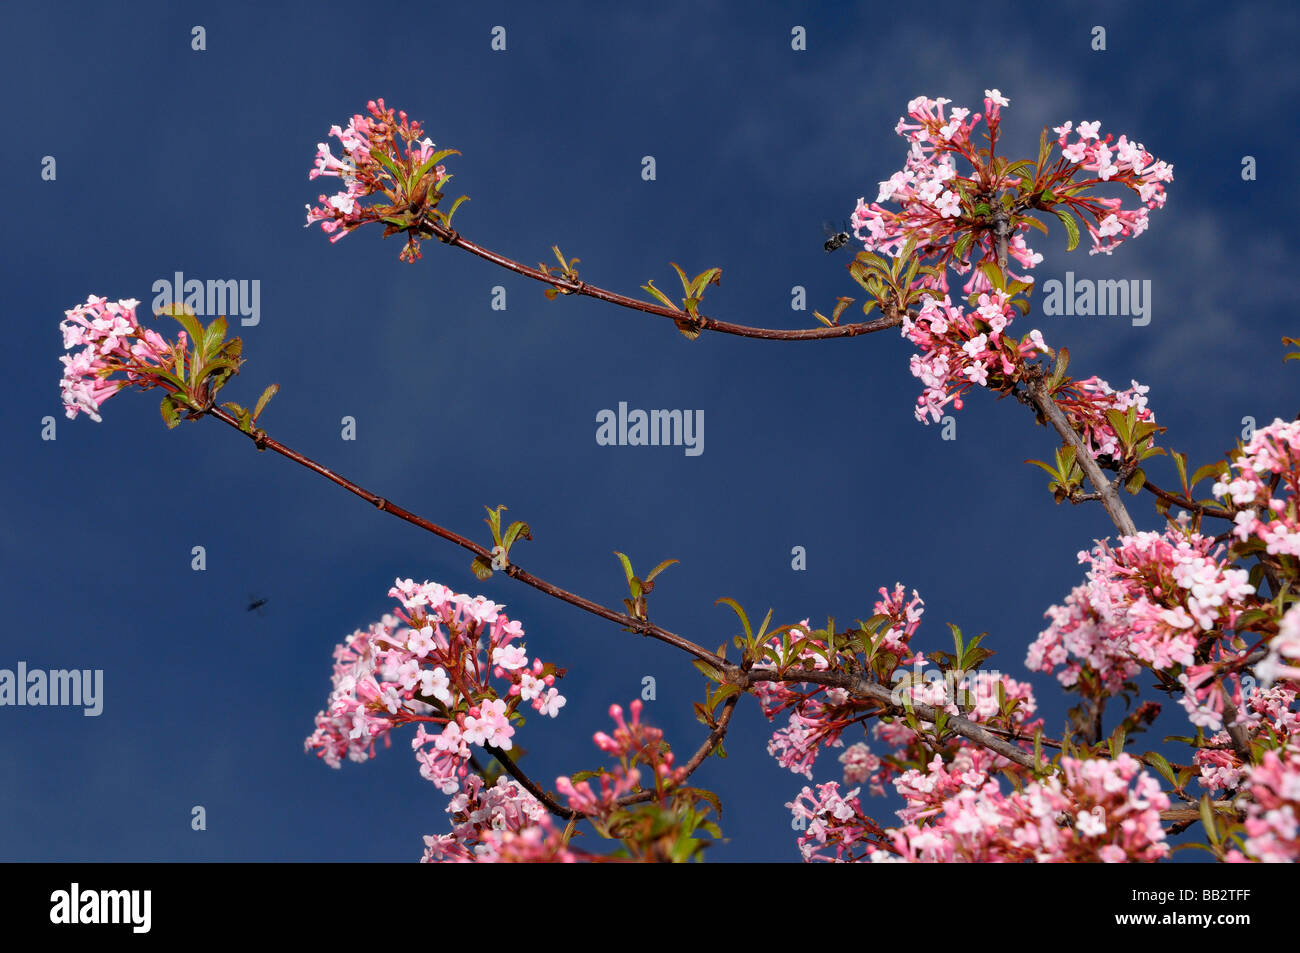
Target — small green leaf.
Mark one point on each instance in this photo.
(169, 415)
(744, 619)
(265, 399)
(494, 522)
(709, 672)
(213, 335)
(1071, 228)
(1032, 221)
(482, 568)
(432, 161)
(686, 285)
(994, 275)
(667, 302)
(1051, 471)
(398, 175)
(627, 567)
(1209, 470)
(963, 245)
(1162, 765)
(660, 568)
(514, 531)
(1207, 818)
(452, 211)
(711, 276)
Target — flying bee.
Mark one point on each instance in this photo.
(255, 604)
(835, 240)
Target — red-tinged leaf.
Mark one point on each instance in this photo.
(713, 276)
(265, 399)
(432, 161)
(689, 329)
(709, 672)
(724, 692)
(1209, 470)
(399, 176)
(1034, 222)
(514, 531)
(482, 568)
(660, 568)
(744, 619)
(663, 298)
(169, 414)
(686, 285)
(627, 567)
(494, 521)
(446, 217)
(994, 274)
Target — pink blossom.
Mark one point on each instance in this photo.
(430, 650)
(112, 343)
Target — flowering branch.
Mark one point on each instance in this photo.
(1115, 509)
(864, 688)
(265, 442)
(700, 322)
(1172, 604)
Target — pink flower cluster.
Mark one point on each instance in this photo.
(938, 208)
(1085, 404)
(498, 824)
(1282, 664)
(1094, 810)
(978, 694)
(506, 824)
(427, 663)
(960, 349)
(364, 175)
(111, 341)
(929, 191)
(1149, 600)
(1126, 163)
(833, 821)
(1272, 810)
(633, 743)
(1267, 716)
(1271, 458)
(819, 715)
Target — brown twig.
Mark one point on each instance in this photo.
(884, 696)
(1037, 393)
(1192, 507)
(265, 442)
(891, 318)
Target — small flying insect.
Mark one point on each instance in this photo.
(835, 240)
(256, 604)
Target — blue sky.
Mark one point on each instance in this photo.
(174, 160)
